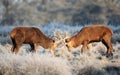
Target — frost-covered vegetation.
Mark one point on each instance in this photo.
(92, 62)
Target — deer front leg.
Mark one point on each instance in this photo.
(35, 47)
(84, 46)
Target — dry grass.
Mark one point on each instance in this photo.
(42, 63)
(31, 64)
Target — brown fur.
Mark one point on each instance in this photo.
(32, 36)
(90, 34)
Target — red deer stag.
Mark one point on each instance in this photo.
(32, 36)
(94, 33)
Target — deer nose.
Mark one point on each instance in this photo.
(66, 45)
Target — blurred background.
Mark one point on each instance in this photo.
(72, 12)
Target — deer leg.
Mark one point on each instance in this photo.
(32, 47)
(35, 47)
(17, 48)
(13, 46)
(108, 44)
(88, 46)
(84, 46)
(18, 40)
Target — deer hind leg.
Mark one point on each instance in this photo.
(13, 46)
(18, 40)
(107, 43)
(16, 50)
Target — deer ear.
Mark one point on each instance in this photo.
(67, 40)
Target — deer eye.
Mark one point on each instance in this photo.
(53, 41)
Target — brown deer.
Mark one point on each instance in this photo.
(94, 33)
(32, 36)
